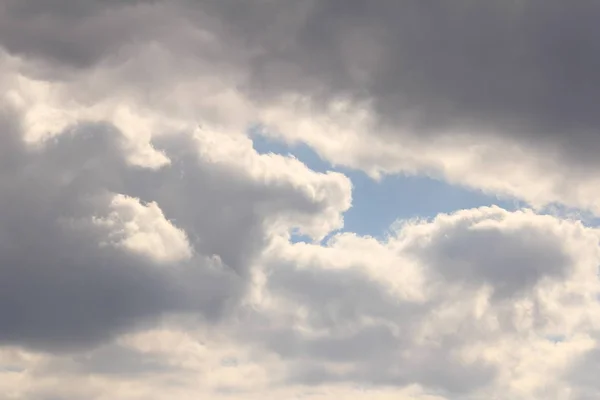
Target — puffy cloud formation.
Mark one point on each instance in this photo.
(455, 304)
(147, 250)
(92, 245)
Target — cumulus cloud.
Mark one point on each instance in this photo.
(379, 314)
(147, 250)
(88, 251)
(439, 314)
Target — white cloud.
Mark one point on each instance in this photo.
(144, 229)
(382, 316)
(467, 303)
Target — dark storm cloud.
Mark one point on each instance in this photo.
(71, 33)
(524, 69)
(60, 288)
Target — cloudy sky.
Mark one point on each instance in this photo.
(299, 199)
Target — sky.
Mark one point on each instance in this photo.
(315, 199)
(377, 204)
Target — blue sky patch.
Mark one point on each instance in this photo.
(376, 205)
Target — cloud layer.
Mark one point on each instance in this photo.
(148, 251)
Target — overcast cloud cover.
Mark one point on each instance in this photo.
(147, 249)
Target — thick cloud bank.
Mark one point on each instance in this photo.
(148, 251)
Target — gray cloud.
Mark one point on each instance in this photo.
(71, 34)
(524, 70)
(582, 375)
(61, 288)
(511, 264)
